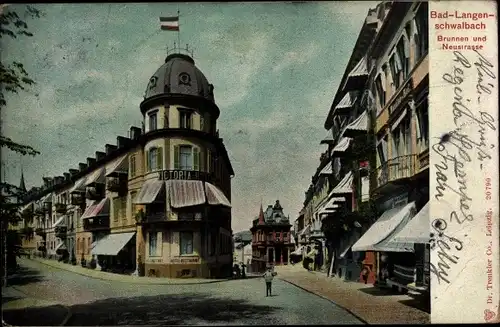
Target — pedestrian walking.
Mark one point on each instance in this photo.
(268, 277)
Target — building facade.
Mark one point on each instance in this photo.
(158, 202)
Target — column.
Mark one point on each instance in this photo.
(281, 256)
(288, 257)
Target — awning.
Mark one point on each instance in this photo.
(417, 230)
(358, 127)
(117, 166)
(59, 222)
(328, 138)
(344, 186)
(111, 244)
(390, 221)
(343, 145)
(185, 193)
(96, 176)
(327, 170)
(347, 102)
(97, 210)
(215, 196)
(357, 77)
(298, 251)
(149, 191)
(79, 186)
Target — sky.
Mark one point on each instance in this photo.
(275, 68)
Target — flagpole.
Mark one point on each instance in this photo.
(179, 28)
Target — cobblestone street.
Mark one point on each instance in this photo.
(370, 304)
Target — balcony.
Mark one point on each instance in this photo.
(96, 224)
(119, 185)
(60, 208)
(395, 170)
(94, 193)
(77, 199)
(61, 231)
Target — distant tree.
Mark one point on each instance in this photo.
(13, 78)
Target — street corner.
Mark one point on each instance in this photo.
(30, 312)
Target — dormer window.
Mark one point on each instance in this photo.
(153, 121)
(185, 119)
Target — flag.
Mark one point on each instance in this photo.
(169, 23)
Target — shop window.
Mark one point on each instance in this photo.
(186, 242)
(153, 121)
(185, 119)
(155, 244)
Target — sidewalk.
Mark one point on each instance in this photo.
(368, 303)
(123, 278)
(18, 309)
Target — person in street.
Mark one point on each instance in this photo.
(268, 277)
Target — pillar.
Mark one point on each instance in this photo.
(139, 250)
(288, 257)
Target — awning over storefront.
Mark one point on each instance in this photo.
(185, 193)
(149, 191)
(358, 127)
(60, 222)
(298, 251)
(347, 102)
(343, 145)
(357, 77)
(111, 244)
(96, 176)
(327, 170)
(79, 185)
(327, 139)
(215, 196)
(390, 222)
(97, 209)
(417, 230)
(344, 186)
(117, 166)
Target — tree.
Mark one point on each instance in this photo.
(13, 78)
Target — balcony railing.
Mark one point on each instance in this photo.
(61, 231)
(395, 169)
(94, 224)
(118, 185)
(60, 207)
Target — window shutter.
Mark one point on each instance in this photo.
(176, 157)
(159, 158)
(147, 160)
(196, 159)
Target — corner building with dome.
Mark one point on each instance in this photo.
(158, 203)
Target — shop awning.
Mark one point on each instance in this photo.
(298, 251)
(215, 196)
(390, 221)
(97, 209)
(96, 176)
(343, 145)
(347, 102)
(357, 77)
(149, 191)
(418, 228)
(185, 193)
(60, 222)
(327, 170)
(79, 185)
(327, 139)
(344, 186)
(352, 239)
(117, 166)
(111, 244)
(358, 127)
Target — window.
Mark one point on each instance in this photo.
(396, 143)
(123, 207)
(133, 195)
(153, 124)
(116, 209)
(422, 109)
(209, 161)
(155, 244)
(186, 157)
(404, 56)
(155, 159)
(89, 245)
(202, 123)
(395, 71)
(382, 150)
(185, 118)
(422, 31)
(380, 91)
(132, 166)
(186, 243)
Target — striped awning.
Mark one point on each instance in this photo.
(79, 185)
(347, 102)
(327, 170)
(343, 145)
(117, 166)
(357, 77)
(358, 126)
(97, 209)
(327, 139)
(417, 230)
(149, 191)
(112, 244)
(186, 193)
(391, 222)
(215, 196)
(344, 186)
(96, 176)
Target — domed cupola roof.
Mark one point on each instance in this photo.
(179, 77)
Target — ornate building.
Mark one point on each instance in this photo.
(271, 238)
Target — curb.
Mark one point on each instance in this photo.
(139, 282)
(325, 298)
(68, 309)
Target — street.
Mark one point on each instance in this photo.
(99, 302)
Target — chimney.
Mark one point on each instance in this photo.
(46, 181)
(67, 176)
(91, 161)
(109, 148)
(135, 132)
(121, 141)
(82, 166)
(73, 172)
(100, 155)
(59, 179)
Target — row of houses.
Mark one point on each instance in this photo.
(366, 210)
(158, 202)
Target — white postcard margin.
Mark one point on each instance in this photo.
(464, 183)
